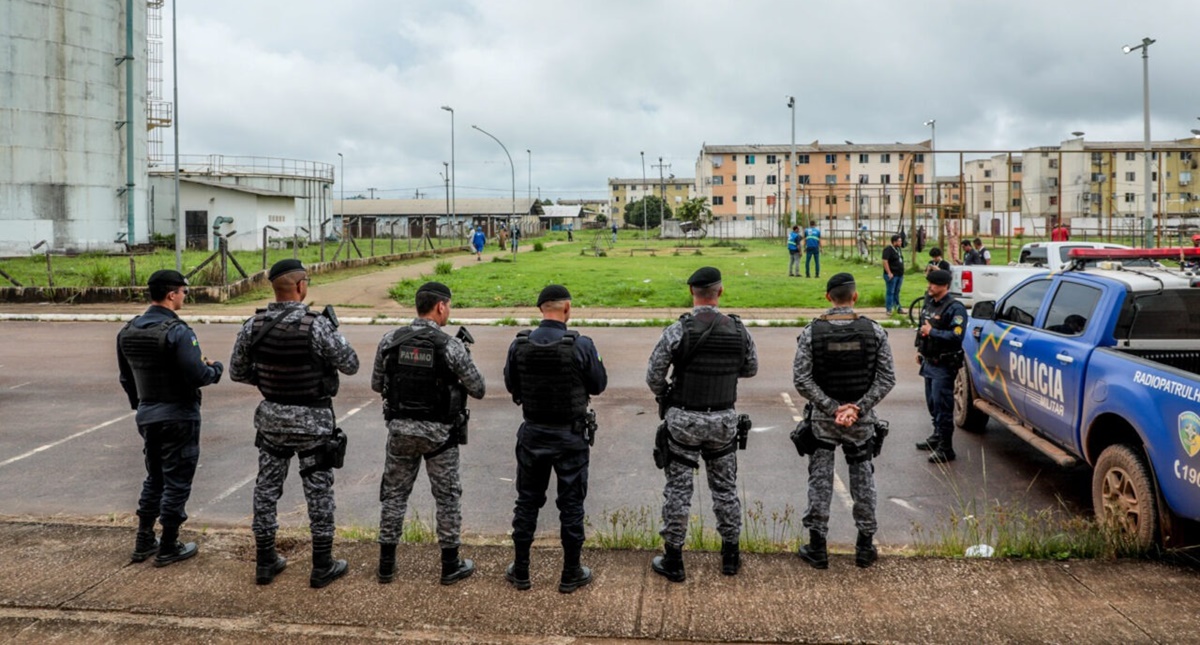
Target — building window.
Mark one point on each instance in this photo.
(1185, 155)
(1016, 167)
(617, 198)
(718, 180)
(885, 158)
(750, 159)
(1131, 176)
(803, 179)
(919, 178)
(718, 200)
(801, 159)
(733, 179)
(887, 200)
(830, 200)
(616, 189)
(987, 174)
(918, 199)
(1153, 197)
(1154, 175)
(1016, 185)
(1016, 201)
(772, 159)
(918, 158)
(987, 188)
(862, 179)
(1129, 197)
(987, 203)
(1130, 156)
(749, 180)
(830, 158)
(864, 158)
(749, 200)
(734, 199)
(831, 179)
(1053, 163)
(885, 179)
(771, 180)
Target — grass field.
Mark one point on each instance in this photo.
(654, 274)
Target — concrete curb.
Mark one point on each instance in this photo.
(204, 319)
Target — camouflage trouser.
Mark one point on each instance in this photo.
(273, 470)
(820, 493)
(404, 455)
(708, 434)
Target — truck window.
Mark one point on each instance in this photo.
(1071, 308)
(1022, 305)
(1173, 314)
(1035, 255)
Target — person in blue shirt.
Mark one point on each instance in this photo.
(812, 249)
(793, 245)
(477, 241)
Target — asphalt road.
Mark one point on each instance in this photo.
(68, 443)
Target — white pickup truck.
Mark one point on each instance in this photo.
(980, 282)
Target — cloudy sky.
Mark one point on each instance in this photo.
(586, 86)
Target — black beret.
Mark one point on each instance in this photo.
(435, 287)
(167, 278)
(284, 266)
(838, 280)
(705, 277)
(938, 276)
(553, 292)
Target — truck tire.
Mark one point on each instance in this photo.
(966, 415)
(1123, 495)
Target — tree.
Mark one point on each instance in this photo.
(647, 211)
(695, 210)
(546, 202)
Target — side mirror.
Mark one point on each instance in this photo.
(985, 310)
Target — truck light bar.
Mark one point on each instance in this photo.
(1177, 253)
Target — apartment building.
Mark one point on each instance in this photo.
(992, 191)
(624, 191)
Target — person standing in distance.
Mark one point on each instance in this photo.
(425, 377)
(162, 371)
(985, 256)
(970, 255)
(844, 368)
(793, 246)
(478, 240)
(936, 261)
(614, 229)
(812, 249)
(293, 356)
(552, 373)
(710, 351)
(893, 274)
(940, 354)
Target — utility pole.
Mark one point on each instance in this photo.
(372, 191)
(418, 194)
(663, 197)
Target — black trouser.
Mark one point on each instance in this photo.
(172, 450)
(570, 466)
(939, 398)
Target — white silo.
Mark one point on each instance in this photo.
(72, 123)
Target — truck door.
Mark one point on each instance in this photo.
(1055, 360)
(1001, 344)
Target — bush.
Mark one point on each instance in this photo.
(443, 268)
(538, 246)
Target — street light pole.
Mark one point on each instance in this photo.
(513, 169)
(643, 154)
(453, 188)
(1148, 217)
(937, 199)
(342, 187)
(792, 164)
(179, 223)
(529, 175)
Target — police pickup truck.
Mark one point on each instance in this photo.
(979, 282)
(1099, 365)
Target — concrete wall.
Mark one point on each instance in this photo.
(63, 160)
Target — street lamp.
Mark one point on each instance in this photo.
(529, 175)
(179, 223)
(513, 169)
(1147, 222)
(453, 188)
(792, 170)
(342, 186)
(932, 123)
(643, 154)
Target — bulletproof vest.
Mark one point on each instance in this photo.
(552, 388)
(287, 369)
(931, 347)
(844, 358)
(705, 375)
(146, 350)
(418, 383)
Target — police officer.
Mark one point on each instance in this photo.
(294, 355)
(162, 370)
(424, 376)
(710, 351)
(844, 368)
(551, 373)
(939, 351)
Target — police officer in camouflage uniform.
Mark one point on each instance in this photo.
(844, 367)
(710, 351)
(552, 373)
(162, 371)
(424, 376)
(293, 355)
(939, 350)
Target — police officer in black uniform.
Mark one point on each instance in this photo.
(939, 349)
(551, 373)
(162, 370)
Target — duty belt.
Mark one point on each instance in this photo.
(696, 408)
(707, 455)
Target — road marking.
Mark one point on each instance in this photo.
(842, 493)
(903, 504)
(762, 429)
(20, 385)
(236, 487)
(64, 440)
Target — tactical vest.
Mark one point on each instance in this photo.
(418, 383)
(552, 388)
(288, 371)
(146, 350)
(708, 378)
(844, 357)
(934, 348)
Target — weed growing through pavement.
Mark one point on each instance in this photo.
(637, 529)
(415, 531)
(443, 268)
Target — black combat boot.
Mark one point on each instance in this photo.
(325, 569)
(815, 553)
(387, 563)
(731, 558)
(146, 544)
(943, 453)
(930, 443)
(171, 550)
(865, 553)
(670, 563)
(517, 573)
(455, 568)
(574, 575)
(268, 562)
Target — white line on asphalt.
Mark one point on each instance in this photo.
(20, 385)
(842, 493)
(902, 503)
(236, 487)
(64, 440)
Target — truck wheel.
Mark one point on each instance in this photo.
(966, 415)
(1123, 494)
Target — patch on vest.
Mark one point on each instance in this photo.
(414, 356)
(845, 346)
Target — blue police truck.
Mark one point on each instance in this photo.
(1100, 365)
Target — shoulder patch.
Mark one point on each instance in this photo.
(958, 320)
